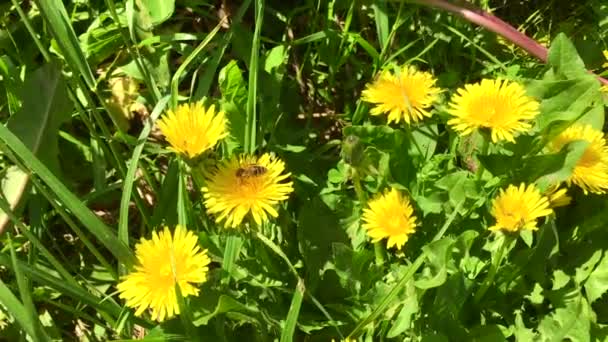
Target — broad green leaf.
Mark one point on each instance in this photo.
(158, 10)
(438, 254)
(597, 283)
(566, 100)
(226, 304)
(404, 319)
(45, 106)
(572, 322)
(564, 58)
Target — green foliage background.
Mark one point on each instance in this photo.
(86, 174)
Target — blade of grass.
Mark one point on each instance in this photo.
(17, 310)
(102, 232)
(381, 17)
(188, 60)
(76, 292)
(388, 299)
(251, 116)
(123, 220)
(56, 16)
(36, 242)
(26, 297)
(231, 255)
(294, 311)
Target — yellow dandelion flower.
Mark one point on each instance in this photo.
(247, 185)
(390, 215)
(558, 197)
(162, 262)
(192, 130)
(591, 171)
(501, 106)
(518, 208)
(406, 95)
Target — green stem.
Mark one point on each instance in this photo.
(484, 152)
(496, 261)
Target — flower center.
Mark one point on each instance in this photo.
(590, 157)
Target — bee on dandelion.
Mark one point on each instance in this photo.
(247, 185)
(192, 129)
(500, 106)
(164, 261)
(403, 96)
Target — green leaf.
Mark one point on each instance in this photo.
(566, 100)
(234, 99)
(294, 311)
(571, 153)
(158, 10)
(102, 232)
(404, 319)
(564, 58)
(45, 107)
(597, 283)
(381, 17)
(438, 254)
(225, 304)
(572, 322)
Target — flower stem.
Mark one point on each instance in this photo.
(496, 261)
(485, 146)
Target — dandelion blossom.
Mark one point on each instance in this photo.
(404, 96)
(517, 208)
(247, 185)
(558, 197)
(390, 215)
(162, 262)
(501, 106)
(591, 170)
(192, 130)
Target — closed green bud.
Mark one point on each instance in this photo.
(352, 150)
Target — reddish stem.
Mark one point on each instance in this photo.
(496, 25)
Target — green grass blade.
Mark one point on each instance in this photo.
(294, 311)
(55, 14)
(381, 17)
(123, 221)
(102, 232)
(17, 310)
(231, 255)
(191, 57)
(26, 297)
(36, 242)
(41, 277)
(251, 118)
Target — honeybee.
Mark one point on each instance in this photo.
(250, 171)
